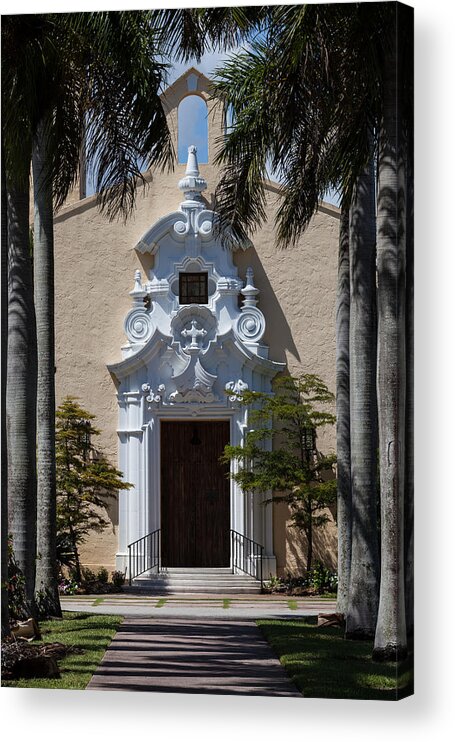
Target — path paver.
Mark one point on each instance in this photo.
(192, 656)
(235, 607)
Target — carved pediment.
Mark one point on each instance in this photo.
(194, 379)
(193, 396)
(193, 326)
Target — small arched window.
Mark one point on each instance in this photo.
(193, 128)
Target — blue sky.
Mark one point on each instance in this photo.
(194, 123)
(192, 128)
(192, 115)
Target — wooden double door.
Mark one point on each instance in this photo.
(195, 499)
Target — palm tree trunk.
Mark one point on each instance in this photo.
(77, 562)
(344, 502)
(46, 567)
(409, 449)
(390, 638)
(4, 459)
(21, 389)
(309, 533)
(364, 577)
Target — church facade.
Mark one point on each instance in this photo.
(161, 323)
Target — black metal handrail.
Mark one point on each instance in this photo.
(144, 554)
(247, 555)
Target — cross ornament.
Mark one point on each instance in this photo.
(194, 333)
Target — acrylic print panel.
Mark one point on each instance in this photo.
(231, 454)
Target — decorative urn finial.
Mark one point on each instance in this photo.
(250, 292)
(138, 293)
(192, 166)
(192, 184)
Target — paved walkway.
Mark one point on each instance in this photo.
(200, 606)
(197, 656)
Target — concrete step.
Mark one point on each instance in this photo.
(199, 575)
(205, 571)
(176, 580)
(196, 583)
(201, 582)
(194, 578)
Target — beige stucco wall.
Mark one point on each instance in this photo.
(298, 292)
(94, 269)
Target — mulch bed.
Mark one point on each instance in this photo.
(97, 588)
(295, 590)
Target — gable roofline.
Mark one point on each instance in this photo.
(274, 187)
(89, 202)
(270, 185)
(168, 92)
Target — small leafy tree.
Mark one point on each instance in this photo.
(85, 481)
(280, 454)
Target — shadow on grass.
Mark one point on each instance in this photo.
(323, 664)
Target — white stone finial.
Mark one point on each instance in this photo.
(192, 166)
(192, 184)
(138, 293)
(137, 281)
(250, 291)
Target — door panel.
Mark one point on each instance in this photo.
(195, 512)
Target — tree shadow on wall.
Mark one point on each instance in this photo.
(112, 508)
(324, 547)
(278, 335)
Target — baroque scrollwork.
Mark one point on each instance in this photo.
(138, 325)
(196, 221)
(154, 398)
(236, 387)
(250, 325)
(192, 396)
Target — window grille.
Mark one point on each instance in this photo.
(193, 288)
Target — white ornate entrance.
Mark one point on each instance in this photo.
(189, 344)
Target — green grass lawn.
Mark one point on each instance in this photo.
(323, 664)
(92, 633)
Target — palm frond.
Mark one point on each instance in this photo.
(315, 77)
